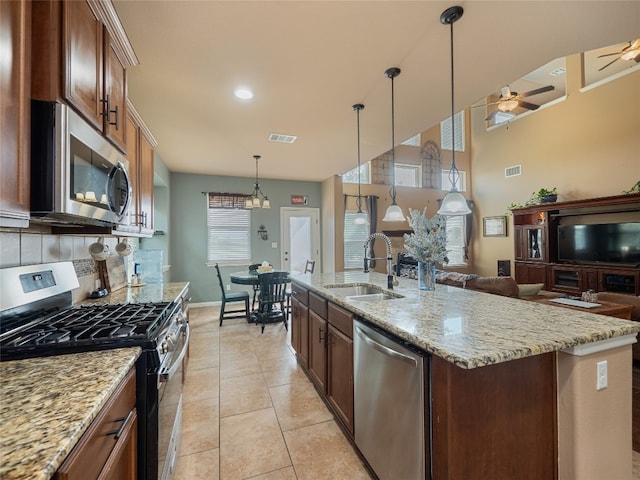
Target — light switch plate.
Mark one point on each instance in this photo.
(274, 244)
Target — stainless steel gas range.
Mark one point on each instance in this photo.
(37, 319)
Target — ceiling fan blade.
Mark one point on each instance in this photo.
(609, 54)
(528, 106)
(531, 93)
(612, 61)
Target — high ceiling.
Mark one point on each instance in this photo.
(309, 61)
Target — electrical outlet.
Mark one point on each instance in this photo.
(274, 244)
(228, 286)
(602, 380)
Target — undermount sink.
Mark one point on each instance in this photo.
(373, 297)
(363, 292)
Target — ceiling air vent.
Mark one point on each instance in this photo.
(279, 137)
(513, 171)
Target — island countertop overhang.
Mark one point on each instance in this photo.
(467, 328)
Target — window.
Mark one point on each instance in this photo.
(445, 132)
(456, 234)
(352, 175)
(228, 225)
(408, 175)
(413, 141)
(462, 181)
(354, 238)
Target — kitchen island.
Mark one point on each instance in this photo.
(47, 403)
(512, 384)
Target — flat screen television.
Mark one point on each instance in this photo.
(611, 243)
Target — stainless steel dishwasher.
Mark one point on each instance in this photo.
(388, 405)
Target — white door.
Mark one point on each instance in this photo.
(299, 237)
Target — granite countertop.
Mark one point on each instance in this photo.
(468, 328)
(151, 293)
(45, 410)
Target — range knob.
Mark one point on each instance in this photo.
(164, 347)
(170, 341)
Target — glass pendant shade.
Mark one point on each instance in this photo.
(256, 202)
(393, 214)
(360, 217)
(248, 203)
(266, 203)
(454, 203)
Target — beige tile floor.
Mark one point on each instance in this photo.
(251, 413)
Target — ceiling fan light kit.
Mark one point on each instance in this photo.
(394, 212)
(453, 202)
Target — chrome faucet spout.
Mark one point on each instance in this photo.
(389, 258)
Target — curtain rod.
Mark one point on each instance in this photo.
(363, 196)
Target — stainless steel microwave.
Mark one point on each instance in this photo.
(77, 176)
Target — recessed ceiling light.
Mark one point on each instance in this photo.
(243, 93)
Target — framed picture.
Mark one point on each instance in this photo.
(494, 226)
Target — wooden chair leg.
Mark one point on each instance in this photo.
(222, 312)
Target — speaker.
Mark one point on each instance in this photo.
(504, 268)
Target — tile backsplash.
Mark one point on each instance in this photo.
(38, 245)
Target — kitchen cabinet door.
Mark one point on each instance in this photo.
(83, 60)
(108, 449)
(318, 350)
(340, 375)
(115, 84)
(15, 24)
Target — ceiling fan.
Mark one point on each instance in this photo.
(509, 100)
(630, 52)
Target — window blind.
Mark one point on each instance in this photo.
(445, 132)
(354, 238)
(456, 232)
(228, 226)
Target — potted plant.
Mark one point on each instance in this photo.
(547, 196)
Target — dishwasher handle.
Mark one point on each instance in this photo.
(383, 348)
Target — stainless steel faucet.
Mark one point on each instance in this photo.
(389, 258)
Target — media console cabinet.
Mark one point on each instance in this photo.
(536, 245)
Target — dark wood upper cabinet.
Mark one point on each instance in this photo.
(15, 25)
(80, 57)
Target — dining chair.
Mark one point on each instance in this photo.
(232, 297)
(256, 288)
(272, 299)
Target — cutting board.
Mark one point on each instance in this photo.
(113, 273)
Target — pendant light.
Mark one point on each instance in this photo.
(257, 199)
(394, 212)
(360, 217)
(454, 202)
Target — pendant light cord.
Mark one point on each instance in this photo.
(393, 147)
(453, 173)
(358, 108)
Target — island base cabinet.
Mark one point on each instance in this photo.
(497, 421)
(340, 376)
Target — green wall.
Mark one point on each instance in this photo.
(188, 226)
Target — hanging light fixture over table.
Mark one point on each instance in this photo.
(454, 202)
(394, 212)
(360, 217)
(257, 199)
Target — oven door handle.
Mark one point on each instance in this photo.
(167, 373)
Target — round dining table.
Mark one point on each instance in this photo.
(248, 278)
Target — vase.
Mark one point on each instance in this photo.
(427, 275)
